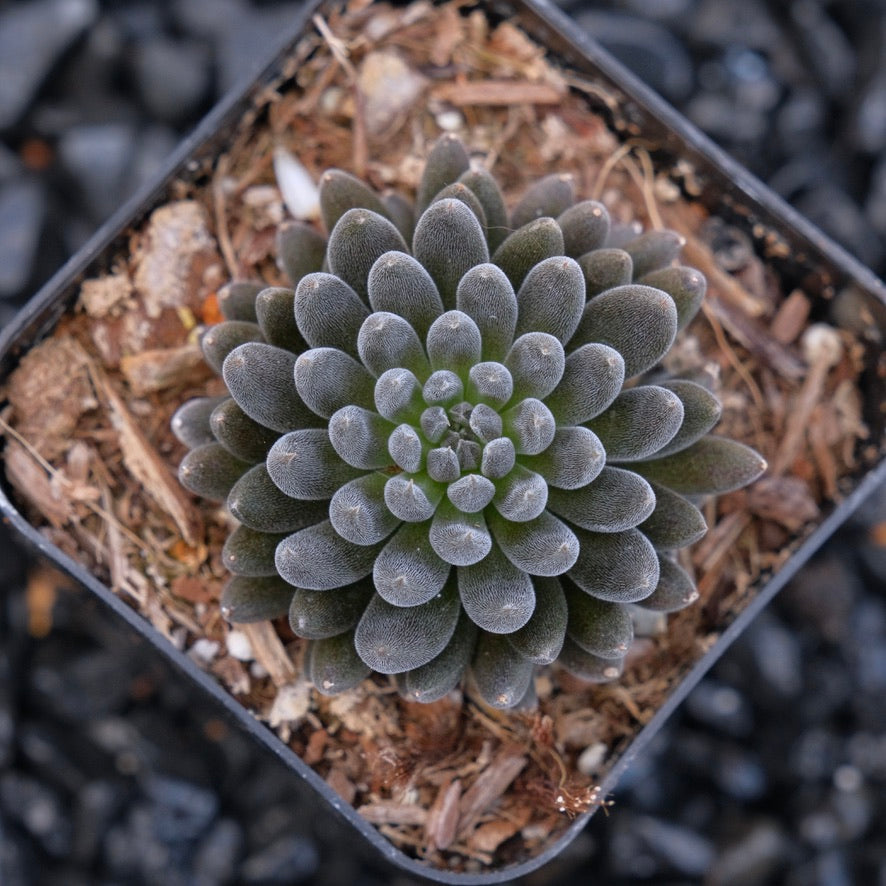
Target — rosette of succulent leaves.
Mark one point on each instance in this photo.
(448, 448)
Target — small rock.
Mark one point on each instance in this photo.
(38, 810)
(751, 859)
(33, 36)
(289, 859)
(217, 854)
(172, 76)
(680, 849)
(22, 213)
(721, 707)
(776, 654)
(181, 810)
(390, 87)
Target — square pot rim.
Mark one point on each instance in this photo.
(553, 29)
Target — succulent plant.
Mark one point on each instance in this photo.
(449, 448)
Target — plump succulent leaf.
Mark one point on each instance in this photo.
(394, 639)
(530, 425)
(401, 212)
(236, 300)
(621, 567)
(191, 421)
(653, 250)
(257, 502)
(328, 380)
(407, 572)
(498, 458)
(574, 458)
(442, 464)
(413, 497)
(497, 596)
(490, 383)
(486, 295)
(552, 298)
(459, 539)
(328, 312)
(446, 163)
(604, 269)
(638, 321)
(675, 522)
(406, 448)
(317, 558)
(333, 665)
(242, 436)
(550, 196)
(521, 496)
(486, 188)
(387, 341)
(251, 553)
(589, 667)
(638, 423)
(259, 377)
(448, 242)
(709, 466)
(486, 423)
(592, 378)
(437, 678)
(615, 501)
(541, 638)
(250, 599)
(536, 362)
(599, 627)
(675, 589)
(275, 310)
(522, 250)
(460, 191)
(358, 511)
(701, 411)
(358, 239)
(501, 673)
(585, 227)
(305, 465)
(210, 471)
(685, 286)
(399, 284)
(218, 341)
(300, 249)
(341, 191)
(358, 436)
(543, 546)
(471, 493)
(317, 615)
(398, 395)
(454, 343)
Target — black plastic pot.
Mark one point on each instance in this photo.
(725, 188)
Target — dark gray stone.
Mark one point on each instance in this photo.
(33, 36)
(182, 811)
(289, 859)
(172, 76)
(22, 215)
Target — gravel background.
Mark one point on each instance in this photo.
(774, 771)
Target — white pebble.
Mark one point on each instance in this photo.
(300, 193)
(239, 646)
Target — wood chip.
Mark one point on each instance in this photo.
(489, 836)
(443, 815)
(791, 317)
(786, 500)
(392, 812)
(146, 466)
(101, 296)
(498, 92)
(269, 652)
(342, 785)
(489, 786)
(156, 370)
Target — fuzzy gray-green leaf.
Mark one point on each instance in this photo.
(333, 665)
(549, 196)
(434, 680)
(530, 425)
(251, 553)
(218, 341)
(454, 343)
(446, 163)
(526, 247)
(260, 379)
(574, 458)
(605, 269)
(300, 250)
(328, 379)
(621, 567)
(521, 496)
(341, 191)
(639, 423)
(317, 558)
(675, 589)
(552, 298)
(541, 638)
(675, 522)
(358, 239)
(459, 539)
(407, 572)
(710, 466)
(358, 511)
(685, 286)
(536, 362)
(250, 599)
(701, 411)
(638, 321)
(616, 500)
(191, 421)
(471, 493)
(589, 667)
(316, 615)
(256, 501)
(387, 341)
(397, 395)
(449, 241)
(497, 596)
(460, 191)
(491, 383)
(486, 295)
(236, 300)
(275, 310)
(543, 546)
(592, 378)
(210, 471)
(393, 639)
(484, 185)
(599, 627)
(304, 465)
(585, 226)
(653, 250)
(358, 436)
(329, 312)
(242, 436)
(498, 458)
(501, 673)
(413, 497)
(399, 284)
